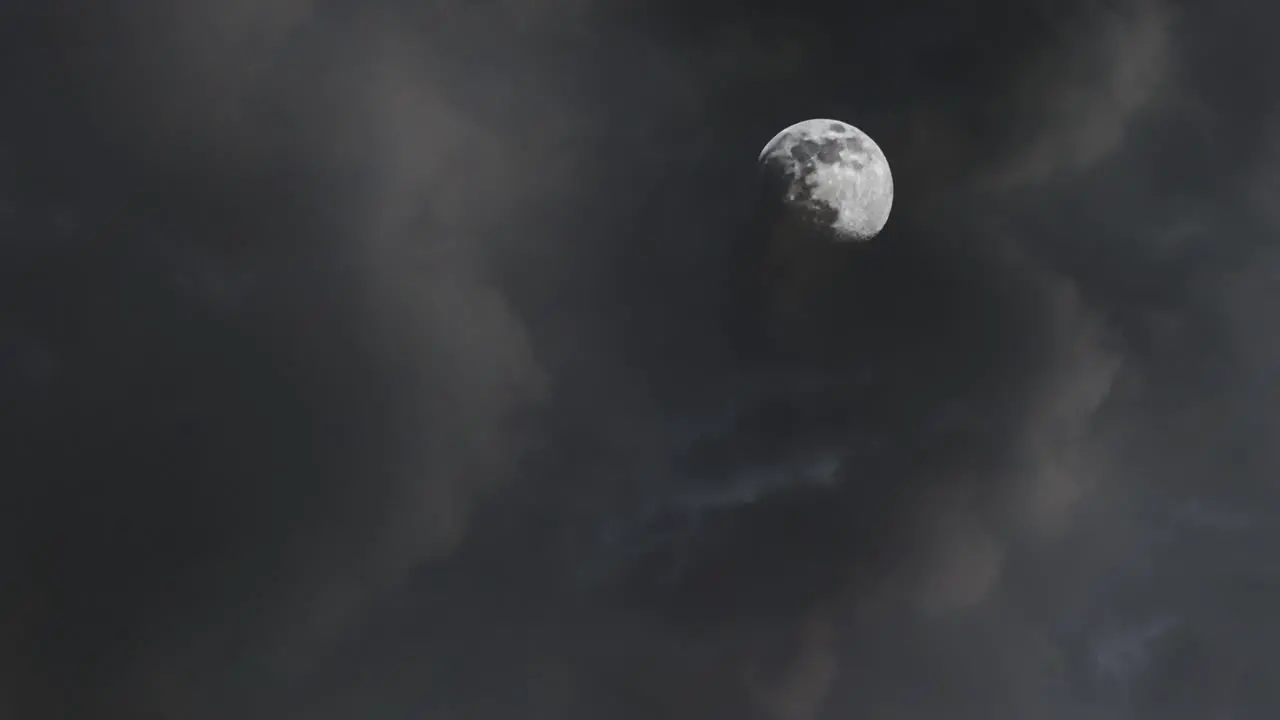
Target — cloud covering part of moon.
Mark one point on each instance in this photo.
(465, 305)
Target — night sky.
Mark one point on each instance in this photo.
(394, 360)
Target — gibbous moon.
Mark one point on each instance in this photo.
(832, 175)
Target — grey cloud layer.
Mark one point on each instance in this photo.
(400, 369)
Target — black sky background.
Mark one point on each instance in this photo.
(440, 359)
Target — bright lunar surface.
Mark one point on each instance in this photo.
(833, 175)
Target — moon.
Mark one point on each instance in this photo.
(832, 175)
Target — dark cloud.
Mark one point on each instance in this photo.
(393, 359)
